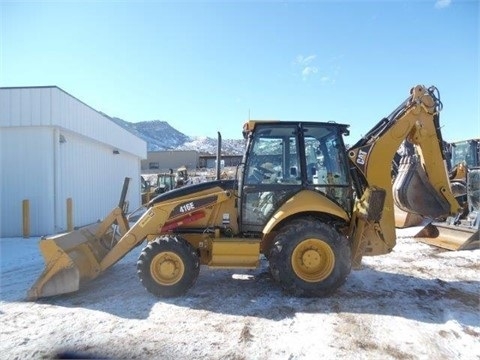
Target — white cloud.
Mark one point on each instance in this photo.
(305, 63)
(309, 59)
(441, 4)
(304, 60)
(309, 70)
(308, 66)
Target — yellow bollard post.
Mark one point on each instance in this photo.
(26, 218)
(69, 214)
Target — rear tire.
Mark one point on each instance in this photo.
(310, 258)
(168, 266)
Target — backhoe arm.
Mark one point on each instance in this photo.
(417, 121)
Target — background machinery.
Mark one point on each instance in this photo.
(311, 207)
(459, 232)
(462, 231)
(462, 156)
(146, 190)
(163, 182)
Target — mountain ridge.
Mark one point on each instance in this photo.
(161, 136)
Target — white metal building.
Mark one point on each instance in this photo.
(54, 147)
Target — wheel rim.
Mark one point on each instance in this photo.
(313, 260)
(167, 268)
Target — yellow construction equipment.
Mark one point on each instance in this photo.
(460, 232)
(311, 207)
(147, 190)
(461, 155)
(163, 182)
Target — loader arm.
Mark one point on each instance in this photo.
(421, 187)
(154, 220)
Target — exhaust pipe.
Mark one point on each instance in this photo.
(219, 153)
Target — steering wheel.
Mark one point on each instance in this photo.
(259, 174)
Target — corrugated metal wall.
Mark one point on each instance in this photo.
(77, 153)
(26, 158)
(92, 175)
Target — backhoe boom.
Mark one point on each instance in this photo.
(424, 181)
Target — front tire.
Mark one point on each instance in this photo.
(310, 258)
(168, 266)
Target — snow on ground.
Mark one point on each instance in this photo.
(419, 302)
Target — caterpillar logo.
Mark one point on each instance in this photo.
(362, 156)
(361, 159)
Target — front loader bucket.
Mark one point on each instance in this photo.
(71, 259)
(450, 237)
(75, 257)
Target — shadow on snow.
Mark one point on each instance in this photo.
(254, 293)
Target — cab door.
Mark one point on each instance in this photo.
(272, 173)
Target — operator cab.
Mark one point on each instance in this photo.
(284, 158)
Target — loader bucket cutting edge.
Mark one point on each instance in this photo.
(70, 260)
(60, 274)
(449, 237)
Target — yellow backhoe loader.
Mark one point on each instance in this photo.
(311, 207)
(165, 182)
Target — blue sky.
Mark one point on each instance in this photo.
(207, 66)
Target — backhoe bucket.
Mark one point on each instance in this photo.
(413, 193)
(71, 259)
